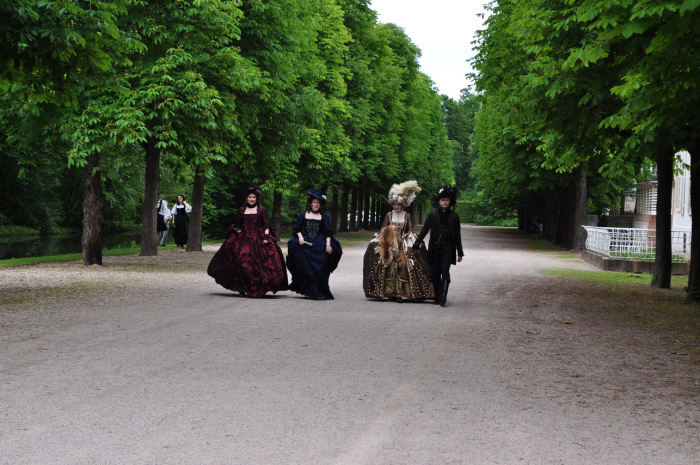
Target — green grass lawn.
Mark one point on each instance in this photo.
(79, 256)
(65, 258)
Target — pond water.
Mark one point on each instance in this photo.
(40, 246)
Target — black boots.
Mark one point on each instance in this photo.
(441, 289)
(437, 293)
(443, 296)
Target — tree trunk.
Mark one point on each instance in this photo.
(373, 213)
(277, 213)
(344, 211)
(568, 233)
(365, 217)
(581, 208)
(334, 209)
(550, 217)
(150, 199)
(360, 207)
(694, 271)
(194, 240)
(92, 237)
(663, 258)
(353, 209)
(562, 225)
(522, 219)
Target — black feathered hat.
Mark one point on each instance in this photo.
(447, 192)
(319, 194)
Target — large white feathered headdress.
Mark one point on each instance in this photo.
(403, 193)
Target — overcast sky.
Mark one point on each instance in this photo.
(443, 30)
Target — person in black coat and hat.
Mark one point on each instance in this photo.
(445, 245)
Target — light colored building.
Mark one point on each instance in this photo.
(681, 215)
(645, 210)
(680, 208)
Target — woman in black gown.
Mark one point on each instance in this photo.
(181, 221)
(313, 252)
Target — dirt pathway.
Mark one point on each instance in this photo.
(148, 361)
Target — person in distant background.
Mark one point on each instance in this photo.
(534, 228)
(181, 221)
(162, 219)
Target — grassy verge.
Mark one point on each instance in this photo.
(541, 245)
(64, 258)
(628, 299)
(79, 256)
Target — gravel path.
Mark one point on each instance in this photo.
(147, 361)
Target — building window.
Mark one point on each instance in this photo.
(646, 200)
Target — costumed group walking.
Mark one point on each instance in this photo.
(396, 265)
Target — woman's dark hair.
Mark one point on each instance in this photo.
(255, 190)
(311, 198)
(178, 200)
(258, 195)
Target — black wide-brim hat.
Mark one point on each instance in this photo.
(446, 192)
(317, 194)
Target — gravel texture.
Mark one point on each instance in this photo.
(146, 360)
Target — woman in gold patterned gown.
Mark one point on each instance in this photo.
(392, 270)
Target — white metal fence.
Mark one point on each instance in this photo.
(635, 243)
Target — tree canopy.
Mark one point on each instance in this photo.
(151, 93)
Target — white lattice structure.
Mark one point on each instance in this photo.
(646, 199)
(635, 243)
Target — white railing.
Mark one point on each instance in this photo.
(634, 243)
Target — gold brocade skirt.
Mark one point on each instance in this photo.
(410, 282)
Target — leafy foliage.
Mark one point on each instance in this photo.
(284, 93)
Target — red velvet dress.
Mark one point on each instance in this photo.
(244, 263)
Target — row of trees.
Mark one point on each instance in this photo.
(578, 96)
(219, 94)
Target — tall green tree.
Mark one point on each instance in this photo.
(294, 121)
(658, 90)
(546, 104)
(459, 121)
(50, 48)
(180, 97)
(56, 51)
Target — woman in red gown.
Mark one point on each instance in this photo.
(250, 262)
